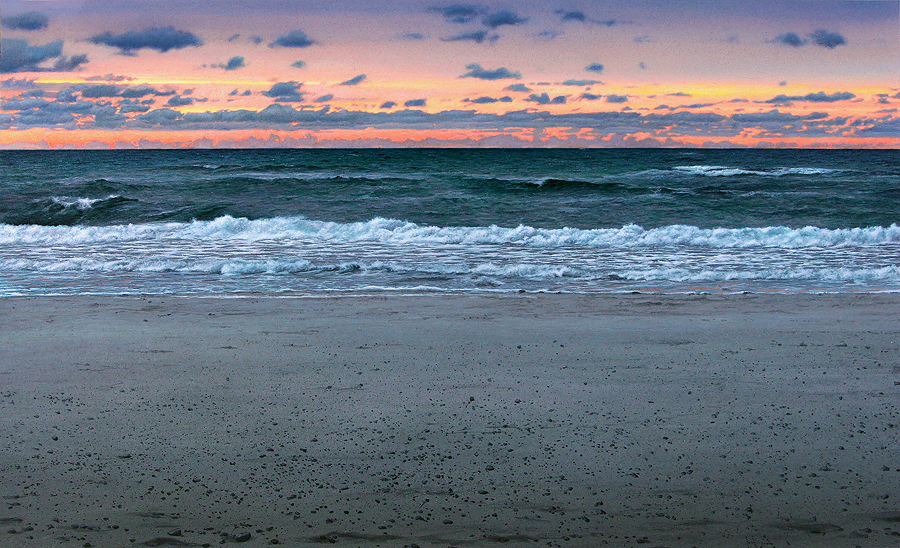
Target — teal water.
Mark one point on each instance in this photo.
(308, 221)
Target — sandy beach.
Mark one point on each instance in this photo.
(469, 421)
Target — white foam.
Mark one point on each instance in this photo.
(727, 171)
(392, 231)
(80, 203)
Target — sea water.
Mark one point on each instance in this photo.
(382, 221)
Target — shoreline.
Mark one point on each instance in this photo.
(451, 420)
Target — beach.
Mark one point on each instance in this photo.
(436, 420)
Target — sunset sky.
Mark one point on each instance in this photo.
(232, 73)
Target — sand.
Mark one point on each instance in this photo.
(469, 421)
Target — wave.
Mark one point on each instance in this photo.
(88, 203)
(487, 274)
(727, 171)
(397, 232)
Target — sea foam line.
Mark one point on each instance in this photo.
(396, 232)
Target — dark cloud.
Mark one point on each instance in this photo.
(827, 39)
(132, 107)
(412, 36)
(234, 37)
(256, 39)
(544, 99)
(594, 67)
(234, 63)
(572, 15)
(500, 18)
(415, 103)
(354, 81)
(790, 39)
(17, 56)
(642, 65)
(679, 94)
(293, 39)
(590, 96)
(179, 101)
(298, 64)
(136, 93)
(103, 90)
(388, 104)
(66, 96)
(476, 71)
(32, 20)
(459, 13)
(477, 36)
(616, 98)
(161, 39)
(286, 92)
(324, 98)
(68, 64)
(488, 100)
(575, 82)
(818, 97)
(517, 87)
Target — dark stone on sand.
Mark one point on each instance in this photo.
(175, 533)
(242, 537)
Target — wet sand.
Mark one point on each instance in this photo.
(527, 420)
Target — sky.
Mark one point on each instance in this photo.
(382, 73)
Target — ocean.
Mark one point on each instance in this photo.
(388, 221)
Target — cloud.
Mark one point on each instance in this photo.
(544, 99)
(818, 97)
(616, 98)
(477, 36)
(234, 63)
(821, 37)
(517, 87)
(256, 39)
(324, 98)
(488, 100)
(293, 39)
(572, 15)
(459, 13)
(298, 64)
(388, 104)
(501, 18)
(790, 39)
(412, 36)
(68, 64)
(286, 92)
(354, 81)
(179, 101)
(476, 71)
(131, 107)
(234, 37)
(161, 39)
(574, 82)
(32, 20)
(136, 93)
(827, 39)
(103, 90)
(17, 56)
(594, 67)
(590, 96)
(415, 103)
